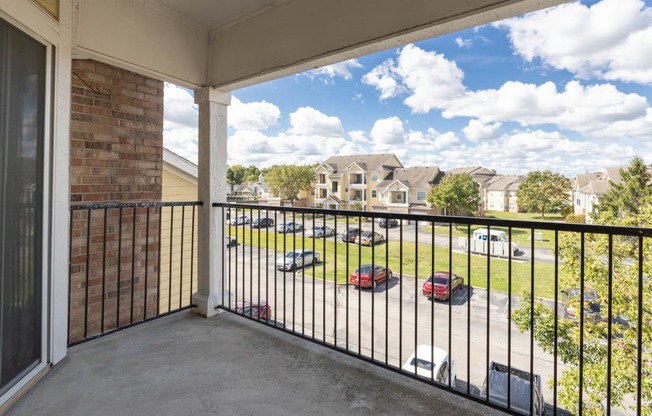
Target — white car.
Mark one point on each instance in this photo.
(240, 220)
(289, 227)
(429, 360)
(319, 231)
(297, 258)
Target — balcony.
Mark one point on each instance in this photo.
(325, 340)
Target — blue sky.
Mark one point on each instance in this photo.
(565, 89)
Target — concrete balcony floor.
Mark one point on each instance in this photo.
(184, 364)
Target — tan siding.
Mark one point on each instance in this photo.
(177, 189)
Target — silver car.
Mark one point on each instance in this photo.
(297, 258)
(319, 231)
(288, 227)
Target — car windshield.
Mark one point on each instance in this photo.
(292, 255)
(421, 363)
(438, 279)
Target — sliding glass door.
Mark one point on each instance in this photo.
(22, 111)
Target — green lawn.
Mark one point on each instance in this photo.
(334, 253)
(519, 235)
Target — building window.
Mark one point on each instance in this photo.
(373, 193)
(374, 176)
(399, 196)
(334, 187)
(421, 196)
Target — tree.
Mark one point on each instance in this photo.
(626, 196)
(593, 260)
(288, 180)
(235, 174)
(252, 173)
(455, 193)
(543, 192)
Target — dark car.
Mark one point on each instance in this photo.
(370, 275)
(350, 235)
(262, 223)
(260, 310)
(519, 388)
(437, 285)
(387, 223)
(231, 242)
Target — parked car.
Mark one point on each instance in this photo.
(240, 220)
(370, 275)
(519, 387)
(262, 223)
(231, 242)
(319, 231)
(432, 363)
(289, 227)
(387, 223)
(260, 310)
(436, 287)
(350, 235)
(367, 238)
(569, 298)
(297, 258)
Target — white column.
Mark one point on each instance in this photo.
(213, 105)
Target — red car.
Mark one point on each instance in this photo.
(363, 276)
(436, 286)
(260, 310)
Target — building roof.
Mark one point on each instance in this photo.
(373, 162)
(422, 177)
(479, 174)
(583, 179)
(504, 183)
(180, 163)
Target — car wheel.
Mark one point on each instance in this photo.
(454, 382)
(320, 235)
(293, 267)
(389, 276)
(375, 283)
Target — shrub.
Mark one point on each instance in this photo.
(576, 218)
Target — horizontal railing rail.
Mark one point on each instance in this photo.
(129, 263)
(487, 309)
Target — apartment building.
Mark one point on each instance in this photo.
(499, 193)
(341, 181)
(406, 189)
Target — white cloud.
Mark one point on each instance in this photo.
(611, 39)
(179, 106)
(340, 69)
(477, 131)
(431, 141)
(180, 122)
(359, 136)
(463, 43)
(382, 78)
(307, 121)
(257, 115)
(388, 131)
(578, 108)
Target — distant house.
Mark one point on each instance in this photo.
(406, 189)
(344, 180)
(257, 190)
(587, 189)
(499, 193)
(481, 176)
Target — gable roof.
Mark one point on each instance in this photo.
(479, 174)
(504, 183)
(372, 162)
(422, 177)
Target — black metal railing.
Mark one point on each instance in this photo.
(510, 331)
(129, 263)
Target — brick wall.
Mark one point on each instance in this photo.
(116, 155)
(116, 143)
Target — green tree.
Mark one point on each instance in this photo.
(592, 260)
(252, 173)
(627, 195)
(543, 192)
(455, 193)
(288, 180)
(357, 205)
(235, 174)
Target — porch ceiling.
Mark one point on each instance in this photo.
(232, 44)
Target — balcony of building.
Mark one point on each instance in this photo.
(303, 336)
